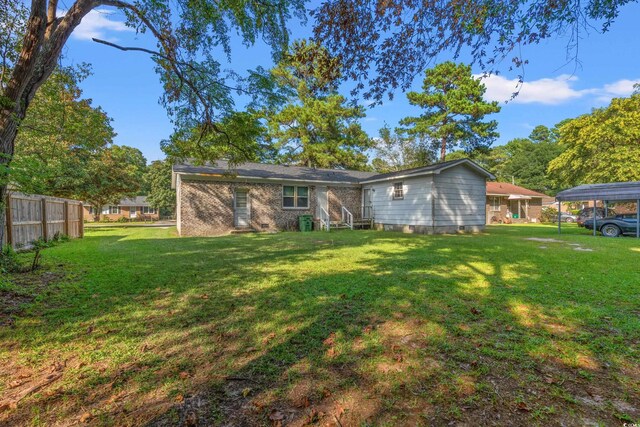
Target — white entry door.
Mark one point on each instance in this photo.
(241, 208)
(322, 201)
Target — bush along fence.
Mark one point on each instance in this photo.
(30, 218)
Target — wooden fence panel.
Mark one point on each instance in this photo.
(30, 218)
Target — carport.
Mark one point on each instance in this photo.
(614, 192)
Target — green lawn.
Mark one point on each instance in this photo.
(341, 328)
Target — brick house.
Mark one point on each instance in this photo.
(134, 209)
(508, 202)
(213, 199)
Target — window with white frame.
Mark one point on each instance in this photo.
(112, 210)
(148, 210)
(295, 197)
(398, 191)
(495, 204)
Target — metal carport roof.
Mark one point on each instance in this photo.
(615, 191)
(608, 192)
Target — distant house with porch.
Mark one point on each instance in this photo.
(512, 203)
(134, 209)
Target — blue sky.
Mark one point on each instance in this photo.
(125, 85)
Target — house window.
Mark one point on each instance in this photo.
(398, 191)
(495, 204)
(92, 211)
(114, 209)
(295, 197)
(148, 210)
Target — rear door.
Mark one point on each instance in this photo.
(241, 208)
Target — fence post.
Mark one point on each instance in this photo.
(45, 232)
(81, 223)
(66, 218)
(9, 222)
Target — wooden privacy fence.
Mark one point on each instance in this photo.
(31, 217)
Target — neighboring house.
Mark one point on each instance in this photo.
(508, 202)
(445, 197)
(136, 209)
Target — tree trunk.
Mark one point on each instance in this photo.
(45, 36)
(443, 149)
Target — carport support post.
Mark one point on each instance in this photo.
(594, 217)
(638, 218)
(559, 217)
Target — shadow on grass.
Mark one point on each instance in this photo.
(348, 327)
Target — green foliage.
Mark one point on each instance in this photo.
(64, 147)
(549, 214)
(316, 127)
(59, 136)
(454, 110)
(238, 138)
(116, 172)
(8, 260)
(600, 147)
(396, 151)
(525, 160)
(158, 179)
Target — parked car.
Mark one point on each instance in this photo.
(614, 226)
(565, 217)
(587, 213)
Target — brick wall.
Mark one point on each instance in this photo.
(206, 207)
(535, 209)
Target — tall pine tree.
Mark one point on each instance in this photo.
(316, 127)
(454, 110)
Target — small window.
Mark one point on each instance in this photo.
(148, 210)
(114, 209)
(295, 197)
(398, 191)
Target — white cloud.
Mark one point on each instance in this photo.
(621, 87)
(98, 24)
(551, 91)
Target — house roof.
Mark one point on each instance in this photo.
(135, 201)
(504, 188)
(612, 191)
(299, 173)
(270, 171)
(428, 170)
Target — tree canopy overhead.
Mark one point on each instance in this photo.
(384, 45)
(454, 110)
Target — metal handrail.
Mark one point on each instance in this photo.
(325, 219)
(347, 217)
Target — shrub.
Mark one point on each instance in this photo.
(549, 214)
(8, 260)
(122, 219)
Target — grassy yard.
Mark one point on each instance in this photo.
(134, 326)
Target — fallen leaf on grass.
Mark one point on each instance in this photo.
(246, 391)
(331, 352)
(15, 383)
(276, 416)
(268, 338)
(474, 311)
(522, 406)
(367, 329)
(330, 340)
(204, 296)
(86, 417)
(179, 398)
(184, 375)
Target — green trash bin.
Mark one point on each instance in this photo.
(305, 222)
(515, 216)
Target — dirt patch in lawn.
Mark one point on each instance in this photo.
(24, 288)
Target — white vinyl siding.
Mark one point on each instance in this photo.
(413, 209)
(460, 197)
